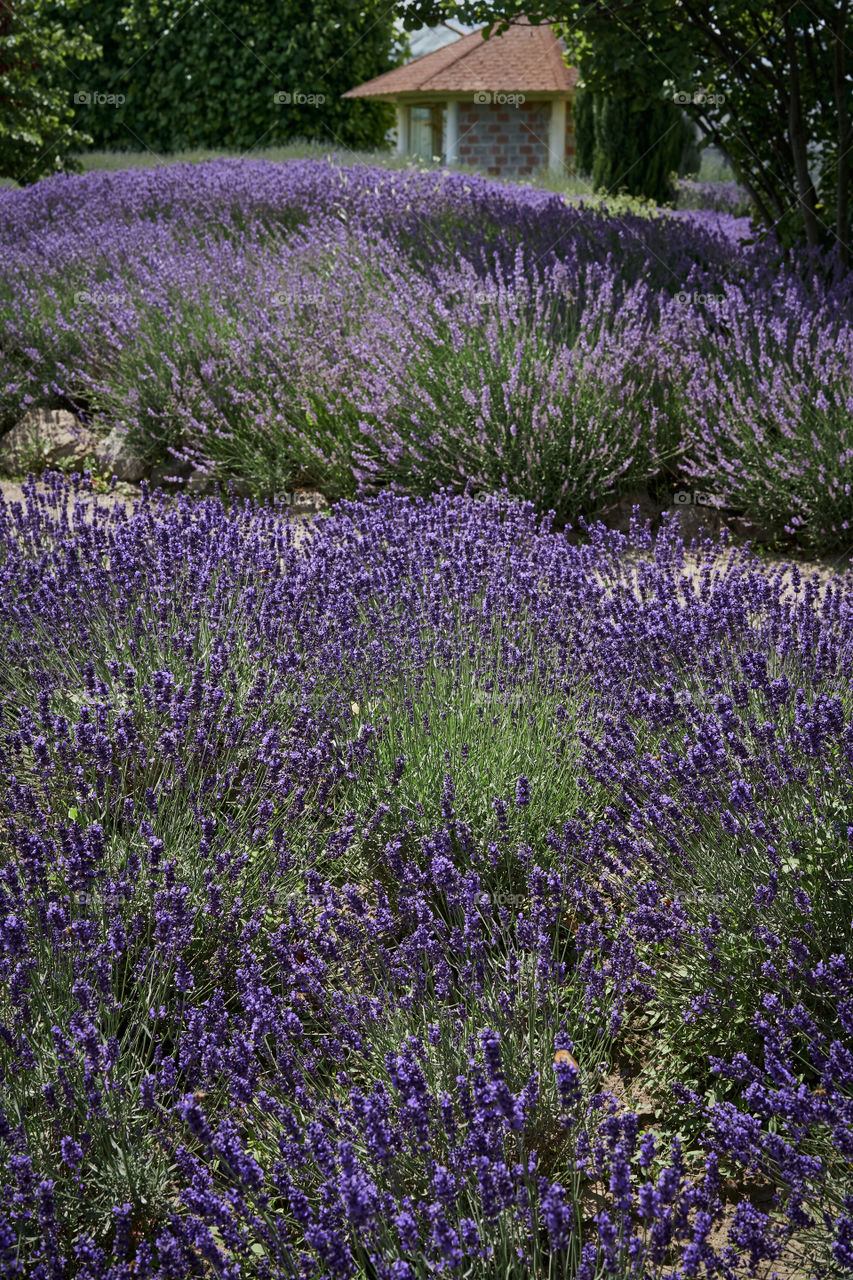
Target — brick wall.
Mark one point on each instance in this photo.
(504, 139)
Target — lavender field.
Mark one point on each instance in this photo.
(426, 895)
(359, 328)
(426, 889)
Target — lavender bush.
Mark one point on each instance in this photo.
(720, 197)
(358, 327)
(348, 881)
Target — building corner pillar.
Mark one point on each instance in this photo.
(557, 136)
(452, 148)
(402, 129)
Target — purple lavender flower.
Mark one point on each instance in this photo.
(72, 1152)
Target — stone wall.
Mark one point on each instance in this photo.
(507, 139)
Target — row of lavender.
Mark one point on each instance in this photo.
(360, 327)
(340, 875)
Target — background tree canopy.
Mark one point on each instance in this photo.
(628, 142)
(38, 41)
(240, 74)
(767, 82)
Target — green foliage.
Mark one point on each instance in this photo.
(810, 494)
(38, 44)
(234, 76)
(631, 144)
(705, 983)
(767, 83)
(503, 731)
(464, 722)
(583, 118)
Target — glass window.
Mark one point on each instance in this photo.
(426, 132)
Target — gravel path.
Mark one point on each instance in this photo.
(13, 491)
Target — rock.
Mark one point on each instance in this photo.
(695, 522)
(115, 456)
(42, 438)
(172, 468)
(188, 479)
(199, 482)
(618, 514)
(307, 502)
(754, 531)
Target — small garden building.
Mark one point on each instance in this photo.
(502, 105)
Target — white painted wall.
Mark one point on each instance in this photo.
(557, 136)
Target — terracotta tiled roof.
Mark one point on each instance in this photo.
(525, 59)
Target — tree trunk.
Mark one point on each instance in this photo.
(845, 140)
(764, 207)
(806, 194)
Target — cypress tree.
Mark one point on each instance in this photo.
(631, 144)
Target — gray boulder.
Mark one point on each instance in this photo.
(188, 479)
(763, 533)
(697, 521)
(42, 438)
(115, 456)
(200, 482)
(618, 514)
